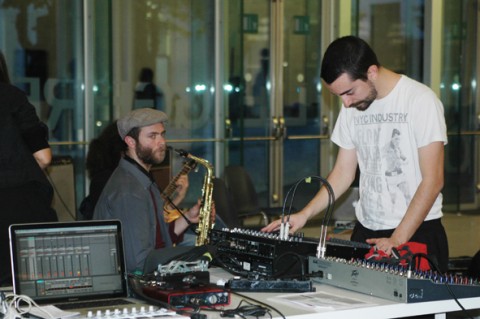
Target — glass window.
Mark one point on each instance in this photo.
(43, 45)
(302, 96)
(166, 62)
(459, 95)
(395, 30)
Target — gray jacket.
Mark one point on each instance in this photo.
(127, 197)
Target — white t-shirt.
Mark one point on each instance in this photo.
(386, 138)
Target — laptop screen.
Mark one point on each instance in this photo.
(61, 262)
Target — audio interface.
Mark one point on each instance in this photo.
(192, 297)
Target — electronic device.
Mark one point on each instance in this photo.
(178, 280)
(202, 296)
(69, 264)
(251, 253)
(173, 287)
(239, 284)
(391, 282)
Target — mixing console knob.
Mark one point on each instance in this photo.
(89, 314)
(99, 314)
(212, 299)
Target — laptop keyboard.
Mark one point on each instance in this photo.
(93, 304)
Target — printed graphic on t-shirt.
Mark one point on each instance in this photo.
(395, 161)
(381, 142)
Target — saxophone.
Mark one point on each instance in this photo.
(205, 223)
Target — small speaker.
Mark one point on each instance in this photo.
(61, 175)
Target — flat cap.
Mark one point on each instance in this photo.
(139, 118)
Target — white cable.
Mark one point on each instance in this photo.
(14, 309)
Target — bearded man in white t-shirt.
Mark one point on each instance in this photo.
(380, 105)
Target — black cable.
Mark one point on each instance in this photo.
(175, 207)
(249, 310)
(293, 189)
(286, 198)
(230, 269)
(331, 199)
(322, 245)
(59, 196)
(434, 265)
(299, 261)
(255, 301)
(219, 259)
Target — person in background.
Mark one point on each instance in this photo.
(103, 156)
(377, 102)
(4, 77)
(147, 94)
(132, 196)
(25, 193)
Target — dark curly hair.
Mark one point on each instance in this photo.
(350, 55)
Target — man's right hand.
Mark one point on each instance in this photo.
(296, 221)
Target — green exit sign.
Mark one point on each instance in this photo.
(250, 23)
(301, 24)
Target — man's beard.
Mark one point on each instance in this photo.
(147, 155)
(365, 103)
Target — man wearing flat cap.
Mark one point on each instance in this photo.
(131, 194)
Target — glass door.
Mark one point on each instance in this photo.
(248, 66)
(451, 73)
(306, 120)
(169, 45)
(460, 96)
(274, 116)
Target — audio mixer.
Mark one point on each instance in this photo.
(258, 254)
(391, 282)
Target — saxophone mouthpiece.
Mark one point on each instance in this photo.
(182, 153)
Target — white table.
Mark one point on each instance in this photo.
(367, 307)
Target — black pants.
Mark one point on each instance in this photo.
(24, 204)
(430, 233)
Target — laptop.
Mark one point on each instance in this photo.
(71, 265)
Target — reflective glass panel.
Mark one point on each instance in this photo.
(43, 45)
(459, 94)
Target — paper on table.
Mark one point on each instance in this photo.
(320, 301)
